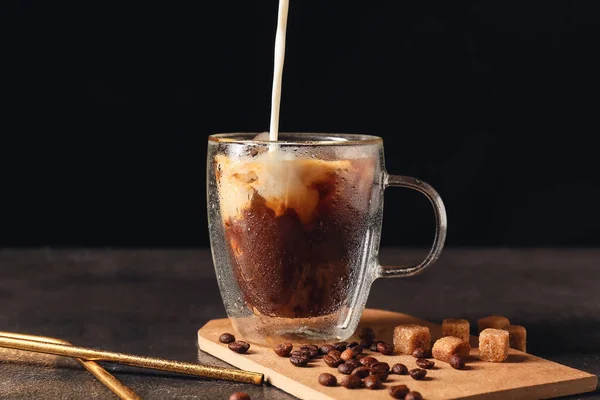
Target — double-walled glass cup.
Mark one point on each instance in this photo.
(295, 228)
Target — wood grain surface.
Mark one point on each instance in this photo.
(522, 376)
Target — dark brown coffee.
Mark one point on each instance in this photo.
(291, 229)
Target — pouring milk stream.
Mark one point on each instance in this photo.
(278, 68)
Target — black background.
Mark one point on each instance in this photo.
(107, 107)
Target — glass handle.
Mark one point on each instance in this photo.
(440, 226)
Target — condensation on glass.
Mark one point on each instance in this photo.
(295, 228)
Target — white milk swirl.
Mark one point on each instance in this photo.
(278, 68)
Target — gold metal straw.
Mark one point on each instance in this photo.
(108, 380)
(161, 364)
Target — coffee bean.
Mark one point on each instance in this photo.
(456, 361)
(413, 396)
(335, 353)
(300, 360)
(372, 382)
(355, 347)
(326, 379)
(333, 361)
(239, 396)
(383, 375)
(353, 362)
(301, 352)
(326, 348)
(424, 363)
(347, 354)
(420, 352)
(399, 391)
(368, 360)
(340, 346)
(351, 382)
(367, 333)
(400, 369)
(227, 338)
(311, 350)
(362, 372)
(283, 349)
(366, 343)
(417, 373)
(373, 346)
(239, 346)
(345, 368)
(385, 348)
(382, 366)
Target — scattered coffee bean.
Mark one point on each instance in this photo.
(335, 352)
(239, 396)
(417, 373)
(227, 338)
(299, 360)
(239, 346)
(399, 391)
(366, 343)
(372, 382)
(383, 375)
(301, 352)
(413, 396)
(351, 382)
(347, 354)
(424, 363)
(311, 350)
(420, 352)
(367, 333)
(345, 368)
(373, 346)
(362, 372)
(382, 366)
(385, 348)
(326, 379)
(353, 362)
(457, 361)
(400, 369)
(340, 346)
(283, 349)
(332, 360)
(355, 347)
(326, 348)
(368, 360)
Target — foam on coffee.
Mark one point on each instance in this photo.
(285, 181)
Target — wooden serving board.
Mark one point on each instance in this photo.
(521, 376)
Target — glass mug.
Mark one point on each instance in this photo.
(295, 227)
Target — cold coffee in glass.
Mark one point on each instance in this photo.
(295, 228)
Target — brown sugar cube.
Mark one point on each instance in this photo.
(493, 321)
(493, 345)
(409, 337)
(456, 327)
(446, 347)
(517, 337)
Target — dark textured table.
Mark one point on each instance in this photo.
(153, 302)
